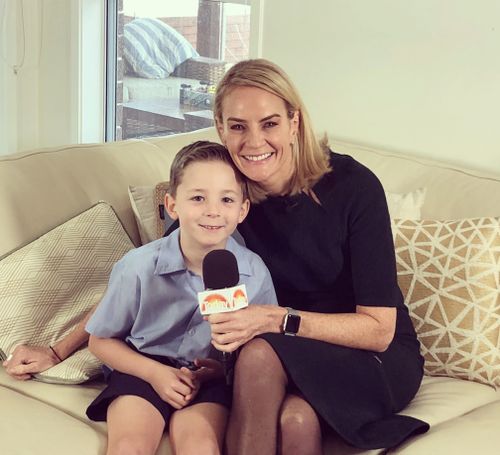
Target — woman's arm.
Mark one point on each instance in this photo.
(370, 328)
(27, 360)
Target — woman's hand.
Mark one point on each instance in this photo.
(233, 329)
(25, 361)
(175, 386)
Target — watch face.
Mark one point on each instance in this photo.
(292, 323)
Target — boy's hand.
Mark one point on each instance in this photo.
(176, 387)
(208, 369)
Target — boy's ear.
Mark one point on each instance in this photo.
(245, 207)
(170, 206)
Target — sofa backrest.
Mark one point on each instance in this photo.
(452, 192)
(43, 188)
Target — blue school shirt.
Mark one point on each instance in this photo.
(151, 300)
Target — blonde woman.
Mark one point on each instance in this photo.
(340, 351)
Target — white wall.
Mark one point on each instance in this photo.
(420, 76)
(50, 101)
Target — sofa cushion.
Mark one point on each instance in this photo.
(47, 286)
(449, 273)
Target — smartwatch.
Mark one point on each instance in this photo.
(291, 322)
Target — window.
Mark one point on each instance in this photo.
(165, 59)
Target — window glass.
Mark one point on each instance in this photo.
(168, 58)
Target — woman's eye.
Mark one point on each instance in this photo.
(236, 127)
(269, 124)
(227, 200)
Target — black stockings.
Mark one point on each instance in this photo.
(264, 419)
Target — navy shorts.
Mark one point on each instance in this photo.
(118, 384)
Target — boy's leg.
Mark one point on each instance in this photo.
(198, 429)
(134, 426)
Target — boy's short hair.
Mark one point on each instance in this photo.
(201, 151)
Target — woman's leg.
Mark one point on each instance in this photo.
(198, 429)
(258, 392)
(300, 430)
(135, 426)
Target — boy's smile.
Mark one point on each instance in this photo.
(209, 205)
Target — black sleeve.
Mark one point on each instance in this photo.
(371, 246)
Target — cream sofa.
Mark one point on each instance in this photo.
(43, 188)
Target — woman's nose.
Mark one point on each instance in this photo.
(255, 138)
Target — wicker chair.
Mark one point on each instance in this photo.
(206, 69)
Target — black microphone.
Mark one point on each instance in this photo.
(220, 270)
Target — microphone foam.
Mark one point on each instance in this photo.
(220, 270)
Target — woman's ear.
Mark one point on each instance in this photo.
(295, 121)
(170, 206)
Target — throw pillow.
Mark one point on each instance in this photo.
(49, 285)
(406, 206)
(150, 215)
(449, 272)
(152, 49)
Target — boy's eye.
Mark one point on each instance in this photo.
(227, 200)
(197, 198)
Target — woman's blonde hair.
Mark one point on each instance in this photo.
(310, 155)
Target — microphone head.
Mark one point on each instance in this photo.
(220, 270)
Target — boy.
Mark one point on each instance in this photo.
(148, 327)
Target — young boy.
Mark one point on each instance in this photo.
(148, 328)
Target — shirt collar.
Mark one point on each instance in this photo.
(170, 257)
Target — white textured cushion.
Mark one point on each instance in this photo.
(47, 286)
(406, 206)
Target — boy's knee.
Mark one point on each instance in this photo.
(198, 446)
(131, 446)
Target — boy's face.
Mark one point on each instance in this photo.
(209, 205)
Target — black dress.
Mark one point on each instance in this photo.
(328, 258)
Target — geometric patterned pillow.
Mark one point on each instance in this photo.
(49, 285)
(449, 273)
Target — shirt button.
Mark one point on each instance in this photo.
(191, 332)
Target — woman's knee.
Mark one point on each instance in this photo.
(256, 355)
(300, 430)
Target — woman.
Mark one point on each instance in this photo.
(340, 351)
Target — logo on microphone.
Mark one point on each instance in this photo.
(223, 300)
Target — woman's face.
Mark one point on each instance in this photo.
(258, 133)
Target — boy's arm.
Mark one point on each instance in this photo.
(173, 385)
(26, 360)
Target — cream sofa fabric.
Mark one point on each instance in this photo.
(43, 188)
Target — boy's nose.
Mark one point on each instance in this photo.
(212, 209)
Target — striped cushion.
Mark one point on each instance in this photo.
(153, 49)
(47, 287)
